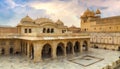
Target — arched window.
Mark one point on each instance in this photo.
(48, 30)
(44, 29)
(25, 31)
(30, 31)
(85, 29)
(52, 30)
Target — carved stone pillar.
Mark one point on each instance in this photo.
(37, 52)
(54, 50)
(64, 51)
(28, 49)
(88, 44)
(73, 52)
(81, 45)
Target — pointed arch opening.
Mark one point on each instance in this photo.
(85, 46)
(60, 49)
(46, 51)
(77, 47)
(69, 48)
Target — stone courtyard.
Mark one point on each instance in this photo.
(93, 59)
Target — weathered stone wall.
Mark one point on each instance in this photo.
(6, 44)
(8, 30)
(106, 40)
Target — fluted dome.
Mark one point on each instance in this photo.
(26, 19)
(59, 22)
(43, 20)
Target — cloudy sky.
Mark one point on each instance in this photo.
(69, 11)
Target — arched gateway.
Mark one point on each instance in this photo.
(77, 47)
(60, 49)
(46, 51)
(69, 48)
(85, 46)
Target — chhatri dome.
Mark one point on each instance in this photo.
(98, 11)
(26, 19)
(88, 13)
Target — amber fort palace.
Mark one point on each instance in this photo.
(42, 38)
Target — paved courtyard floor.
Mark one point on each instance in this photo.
(93, 59)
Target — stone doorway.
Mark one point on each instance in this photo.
(3, 51)
(69, 48)
(11, 50)
(60, 49)
(46, 51)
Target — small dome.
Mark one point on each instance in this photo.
(88, 13)
(98, 11)
(26, 19)
(43, 20)
(59, 22)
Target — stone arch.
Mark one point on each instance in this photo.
(69, 48)
(46, 51)
(85, 45)
(32, 51)
(11, 50)
(60, 49)
(77, 47)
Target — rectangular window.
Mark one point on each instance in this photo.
(30, 31)
(25, 31)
